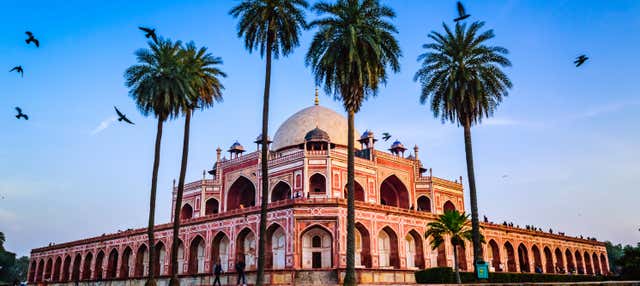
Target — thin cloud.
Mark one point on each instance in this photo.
(604, 109)
(104, 125)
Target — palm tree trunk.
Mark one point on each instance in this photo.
(455, 264)
(152, 203)
(176, 214)
(264, 168)
(350, 276)
(475, 225)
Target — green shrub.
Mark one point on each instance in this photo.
(445, 275)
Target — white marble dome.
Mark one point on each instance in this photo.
(293, 130)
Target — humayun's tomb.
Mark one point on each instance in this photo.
(306, 236)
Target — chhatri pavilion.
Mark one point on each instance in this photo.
(306, 235)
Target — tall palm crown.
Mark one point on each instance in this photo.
(280, 21)
(200, 68)
(353, 48)
(156, 83)
(461, 75)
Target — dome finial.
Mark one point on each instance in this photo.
(317, 100)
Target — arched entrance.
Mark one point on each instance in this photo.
(394, 193)
(211, 206)
(40, 271)
(186, 212)
(47, 269)
(462, 257)
(442, 256)
(511, 257)
(424, 204)
(112, 264)
(275, 247)
(180, 257)
(126, 263)
(142, 261)
(494, 256)
(571, 268)
(414, 250)
(317, 184)
(32, 272)
(241, 194)
(56, 269)
(448, 207)
(559, 261)
(579, 262)
(363, 246)
(603, 264)
(246, 248)
(98, 267)
(86, 267)
(282, 191)
(537, 259)
(523, 258)
(359, 192)
(196, 255)
(160, 255)
(587, 264)
(388, 248)
(548, 260)
(317, 246)
(220, 250)
(75, 273)
(596, 264)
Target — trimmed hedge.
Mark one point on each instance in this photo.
(446, 275)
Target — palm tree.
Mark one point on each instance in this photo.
(349, 55)
(200, 75)
(273, 27)
(453, 225)
(463, 78)
(154, 86)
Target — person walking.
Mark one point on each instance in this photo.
(217, 270)
(240, 265)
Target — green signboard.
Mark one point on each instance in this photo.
(483, 270)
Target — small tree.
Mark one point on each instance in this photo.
(454, 225)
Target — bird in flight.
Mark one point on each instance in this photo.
(505, 176)
(386, 136)
(580, 60)
(150, 33)
(18, 69)
(122, 117)
(32, 39)
(461, 13)
(20, 114)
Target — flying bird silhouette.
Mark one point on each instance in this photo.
(149, 33)
(580, 60)
(18, 69)
(122, 117)
(20, 114)
(461, 13)
(505, 176)
(386, 136)
(32, 39)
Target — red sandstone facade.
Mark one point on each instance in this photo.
(395, 196)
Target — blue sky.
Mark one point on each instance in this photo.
(567, 138)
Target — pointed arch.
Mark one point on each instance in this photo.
(363, 246)
(587, 264)
(571, 268)
(220, 250)
(281, 191)
(442, 255)
(57, 266)
(75, 274)
(579, 262)
(47, 269)
(523, 258)
(603, 264)
(211, 206)
(318, 184)
(241, 194)
(394, 193)
(359, 194)
(246, 248)
(112, 264)
(537, 258)
(98, 265)
(159, 258)
(462, 257)
(196, 255)
(275, 247)
(186, 212)
(596, 264)
(448, 207)
(414, 250)
(511, 257)
(495, 256)
(388, 248)
(424, 204)
(40, 271)
(86, 267)
(125, 266)
(548, 257)
(317, 247)
(559, 261)
(142, 261)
